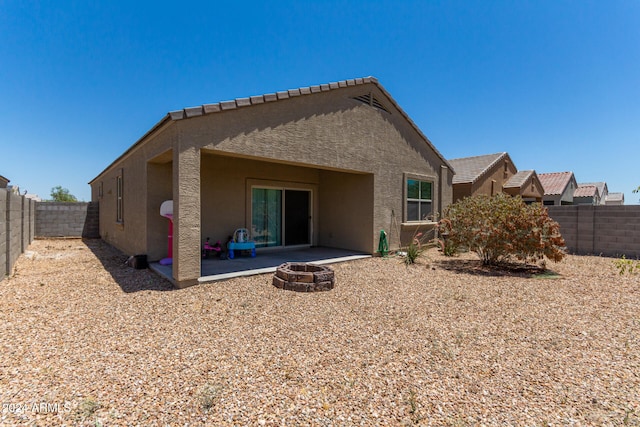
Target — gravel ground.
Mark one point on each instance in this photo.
(88, 341)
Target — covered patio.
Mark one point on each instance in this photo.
(214, 269)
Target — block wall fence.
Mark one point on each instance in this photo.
(600, 230)
(17, 228)
(64, 219)
(22, 220)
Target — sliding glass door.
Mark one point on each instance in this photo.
(280, 217)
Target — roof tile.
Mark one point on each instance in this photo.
(586, 191)
(211, 108)
(193, 111)
(469, 169)
(554, 183)
(269, 97)
(228, 105)
(243, 102)
(177, 115)
(519, 179)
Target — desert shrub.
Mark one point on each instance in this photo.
(447, 246)
(414, 249)
(626, 265)
(501, 228)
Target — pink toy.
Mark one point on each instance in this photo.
(166, 210)
(207, 249)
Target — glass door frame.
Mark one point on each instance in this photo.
(270, 185)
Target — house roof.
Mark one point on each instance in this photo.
(205, 109)
(470, 169)
(519, 179)
(602, 186)
(615, 197)
(555, 183)
(585, 190)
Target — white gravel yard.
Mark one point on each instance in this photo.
(88, 341)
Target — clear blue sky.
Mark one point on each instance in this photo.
(556, 84)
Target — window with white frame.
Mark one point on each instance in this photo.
(419, 200)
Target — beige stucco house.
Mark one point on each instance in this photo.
(587, 194)
(558, 188)
(328, 165)
(490, 174)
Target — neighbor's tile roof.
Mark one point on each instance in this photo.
(470, 169)
(519, 179)
(602, 186)
(586, 191)
(615, 197)
(555, 182)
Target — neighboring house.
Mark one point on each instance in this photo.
(328, 165)
(4, 182)
(558, 188)
(586, 194)
(615, 199)
(33, 197)
(603, 190)
(491, 174)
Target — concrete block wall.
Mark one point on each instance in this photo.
(17, 216)
(14, 229)
(3, 233)
(606, 230)
(65, 219)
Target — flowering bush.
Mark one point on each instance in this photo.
(501, 228)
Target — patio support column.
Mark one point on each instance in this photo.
(186, 215)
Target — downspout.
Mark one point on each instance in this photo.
(444, 171)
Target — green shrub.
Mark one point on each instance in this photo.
(501, 228)
(626, 265)
(447, 246)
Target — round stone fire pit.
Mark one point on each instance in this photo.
(303, 277)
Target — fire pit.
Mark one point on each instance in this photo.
(303, 277)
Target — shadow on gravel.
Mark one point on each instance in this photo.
(128, 278)
(475, 267)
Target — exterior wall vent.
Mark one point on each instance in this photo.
(371, 100)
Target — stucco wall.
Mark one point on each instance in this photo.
(484, 185)
(303, 139)
(226, 190)
(346, 210)
(130, 236)
(329, 131)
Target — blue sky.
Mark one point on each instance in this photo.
(556, 84)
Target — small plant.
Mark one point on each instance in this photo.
(87, 408)
(413, 408)
(414, 249)
(625, 265)
(447, 246)
(208, 396)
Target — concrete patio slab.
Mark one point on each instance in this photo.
(215, 269)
